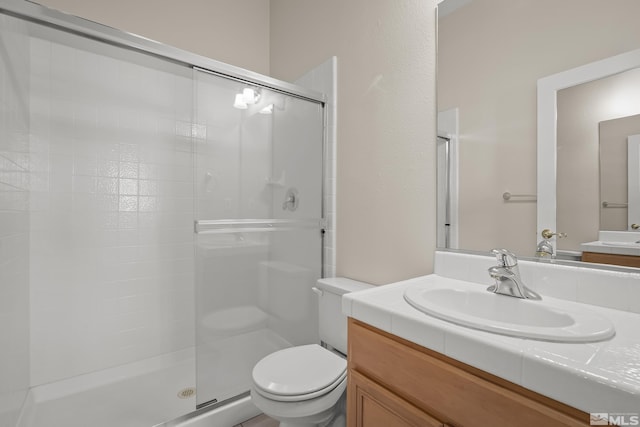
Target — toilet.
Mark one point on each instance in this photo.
(305, 385)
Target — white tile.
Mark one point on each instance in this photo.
(634, 294)
(409, 327)
(557, 380)
(557, 281)
(128, 187)
(371, 315)
(463, 267)
(604, 288)
(479, 349)
(108, 168)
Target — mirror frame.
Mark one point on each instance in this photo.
(548, 88)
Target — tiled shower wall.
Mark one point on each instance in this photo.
(14, 218)
(111, 208)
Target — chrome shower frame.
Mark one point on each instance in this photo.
(33, 12)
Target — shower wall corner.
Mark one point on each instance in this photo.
(14, 218)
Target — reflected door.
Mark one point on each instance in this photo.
(259, 162)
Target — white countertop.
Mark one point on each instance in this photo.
(593, 377)
(618, 248)
(614, 242)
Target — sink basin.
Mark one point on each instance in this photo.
(471, 305)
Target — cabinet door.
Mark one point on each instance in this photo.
(371, 405)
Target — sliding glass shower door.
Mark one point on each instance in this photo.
(258, 179)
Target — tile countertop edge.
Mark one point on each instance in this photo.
(535, 365)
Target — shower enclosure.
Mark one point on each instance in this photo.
(161, 224)
(258, 227)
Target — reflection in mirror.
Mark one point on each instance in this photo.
(591, 170)
(619, 192)
(491, 53)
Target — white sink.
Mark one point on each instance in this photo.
(471, 305)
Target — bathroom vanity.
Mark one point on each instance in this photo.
(394, 382)
(613, 247)
(407, 368)
(613, 259)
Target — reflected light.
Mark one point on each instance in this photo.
(239, 102)
(622, 104)
(267, 110)
(250, 96)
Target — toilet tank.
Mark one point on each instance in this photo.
(332, 323)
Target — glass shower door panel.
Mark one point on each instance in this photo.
(256, 259)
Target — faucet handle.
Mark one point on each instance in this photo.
(547, 234)
(505, 257)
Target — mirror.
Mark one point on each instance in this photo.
(491, 54)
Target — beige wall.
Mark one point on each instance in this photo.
(490, 55)
(386, 124)
(386, 102)
(231, 31)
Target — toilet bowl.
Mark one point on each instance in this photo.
(305, 385)
(300, 386)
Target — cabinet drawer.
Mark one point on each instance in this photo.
(450, 393)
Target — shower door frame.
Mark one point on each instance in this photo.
(263, 225)
(33, 12)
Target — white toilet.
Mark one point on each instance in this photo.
(305, 385)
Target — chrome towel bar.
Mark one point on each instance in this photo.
(217, 226)
(614, 205)
(507, 196)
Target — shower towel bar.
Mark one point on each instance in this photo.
(521, 197)
(614, 205)
(218, 226)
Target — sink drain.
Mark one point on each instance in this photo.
(186, 393)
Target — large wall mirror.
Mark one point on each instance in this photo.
(491, 56)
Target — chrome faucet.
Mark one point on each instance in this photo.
(545, 249)
(507, 276)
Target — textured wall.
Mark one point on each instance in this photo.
(386, 124)
(231, 31)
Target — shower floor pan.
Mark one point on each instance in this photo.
(139, 394)
(151, 392)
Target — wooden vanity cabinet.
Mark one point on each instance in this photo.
(393, 382)
(613, 259)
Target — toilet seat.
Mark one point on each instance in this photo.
(299, 373)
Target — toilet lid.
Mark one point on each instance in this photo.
(299, 371)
